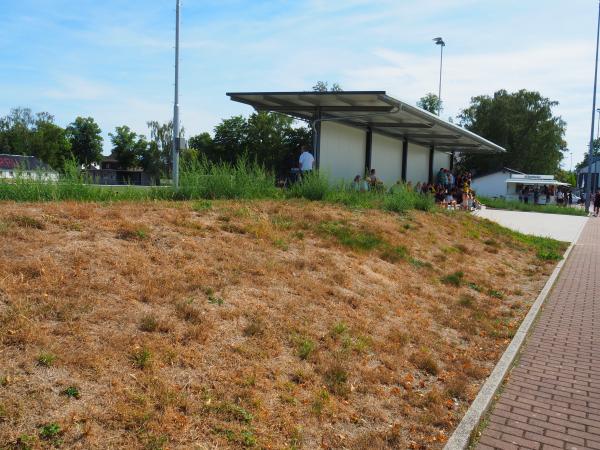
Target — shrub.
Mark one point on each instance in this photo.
(400, 201)
(312, 186)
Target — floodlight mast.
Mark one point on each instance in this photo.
(439, 41)
(176, 105)
(588, 181)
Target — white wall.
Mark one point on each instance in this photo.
(343, 151)
(492, 185)
(386, 158)
(441, 160)
(29, 175)
(417, 166)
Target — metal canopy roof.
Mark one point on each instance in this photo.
(371, 109)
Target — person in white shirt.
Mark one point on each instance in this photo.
(307, 160)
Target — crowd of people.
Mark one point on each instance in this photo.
(451, 191)
(563, 196)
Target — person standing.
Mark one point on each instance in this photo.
(597, 203)
(560, 197)
(306, 161)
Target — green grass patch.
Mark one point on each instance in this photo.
(546, 249)
(71, 392)
(511, 205)
(46, 359)
(453, 279)
(395, 254)
(305, 347)
(352, 238)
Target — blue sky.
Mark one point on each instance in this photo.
(113, 60)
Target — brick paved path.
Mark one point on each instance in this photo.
(552, 398)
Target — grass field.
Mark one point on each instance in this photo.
(498, 203)
(282, 324)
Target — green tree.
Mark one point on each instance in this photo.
(150, 159)
(162, 135)
(431, 103)
(125, 146)
(49, 143)
(231, 139)
(25, 133)
(522, 122)
(85, 137)
(271, 139)
(203, 146)
(566, 176)
(323, 86)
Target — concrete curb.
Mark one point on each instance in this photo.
(461, 437)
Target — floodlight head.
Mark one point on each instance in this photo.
(439, 41)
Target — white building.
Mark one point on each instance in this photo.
(29, 167)
(359, 131)
(493, 184)
(508, 184)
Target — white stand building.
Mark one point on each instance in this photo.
(356, 131)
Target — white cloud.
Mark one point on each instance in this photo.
(71, 87)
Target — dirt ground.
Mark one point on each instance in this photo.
(267, 324)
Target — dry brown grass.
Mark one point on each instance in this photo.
(258, 324)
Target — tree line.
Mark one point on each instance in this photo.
(522, 122)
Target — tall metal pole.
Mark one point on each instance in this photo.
(588, 183)
(440, 89)
(176, 105)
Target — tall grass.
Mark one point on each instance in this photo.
(511, 205)
(243, 180)
(207, 180)
(73, 185)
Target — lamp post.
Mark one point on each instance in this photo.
(176, 105)
(439, 41)
(588, 183)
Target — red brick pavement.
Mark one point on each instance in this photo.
(552, 397)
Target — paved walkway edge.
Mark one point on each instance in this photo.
(461, 438)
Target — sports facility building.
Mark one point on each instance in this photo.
(356, 131)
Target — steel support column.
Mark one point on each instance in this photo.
(369, 150)
(431, 153)
(317, 138)
(404, 158)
